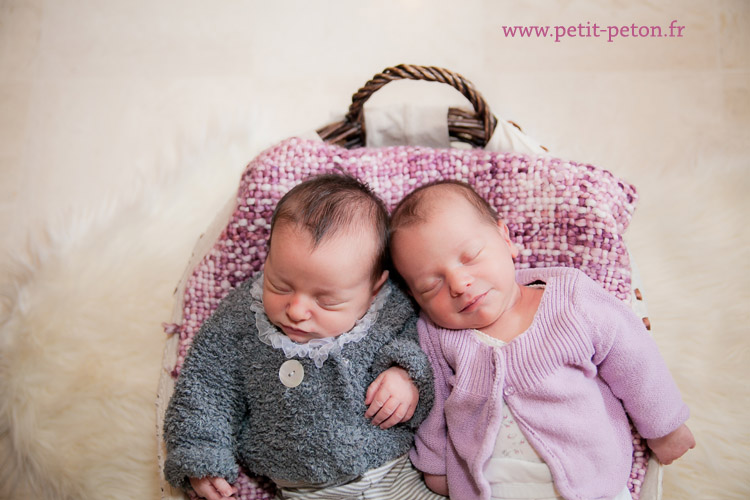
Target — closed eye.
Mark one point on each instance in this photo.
(428, 288)
(276, 288)
(330, 302)
(470, 257)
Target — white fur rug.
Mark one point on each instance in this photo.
(81, 339)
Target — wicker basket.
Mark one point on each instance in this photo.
(473, 127)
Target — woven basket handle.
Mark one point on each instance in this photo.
(474, 128)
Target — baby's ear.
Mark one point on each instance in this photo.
(379, 283)
(505, 233)
(514, 252)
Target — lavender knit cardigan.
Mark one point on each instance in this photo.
(569, 379)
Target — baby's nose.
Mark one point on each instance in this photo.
(297, 309)
(458, 282)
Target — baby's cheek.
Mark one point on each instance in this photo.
(337, 322)
(439, 314)
(273, 307)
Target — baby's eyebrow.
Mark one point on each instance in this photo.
(330, 293)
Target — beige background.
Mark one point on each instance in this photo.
(108, 103)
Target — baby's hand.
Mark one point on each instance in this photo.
(672, 446)
(212, 488)
(438, 484)
(391, 398)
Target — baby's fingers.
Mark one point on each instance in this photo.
(377, 410)
(373, 390)
(377, 397)
(375, 406)
(390, 414)
(223, 487)
(212, 488)
(395, 418)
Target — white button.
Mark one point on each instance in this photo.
(509, 391)
(291, 373)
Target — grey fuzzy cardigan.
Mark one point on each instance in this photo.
(230, 409)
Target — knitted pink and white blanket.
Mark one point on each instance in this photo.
(559, 213)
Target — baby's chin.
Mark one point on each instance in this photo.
(458, 324)
(303, 337)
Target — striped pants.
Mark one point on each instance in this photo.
(395, 480)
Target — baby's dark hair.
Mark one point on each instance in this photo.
(328, 203)
(416, 207)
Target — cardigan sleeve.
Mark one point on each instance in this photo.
(431, 439)
(629, 361)
(403, 350)
(205, 410)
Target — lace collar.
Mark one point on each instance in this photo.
(317, 349)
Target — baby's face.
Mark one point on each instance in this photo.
(316, 293)
(458, 266)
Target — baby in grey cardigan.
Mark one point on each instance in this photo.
(310, 374)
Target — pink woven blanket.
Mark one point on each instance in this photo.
(560, 214)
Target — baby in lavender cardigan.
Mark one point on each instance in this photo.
(536, 371)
